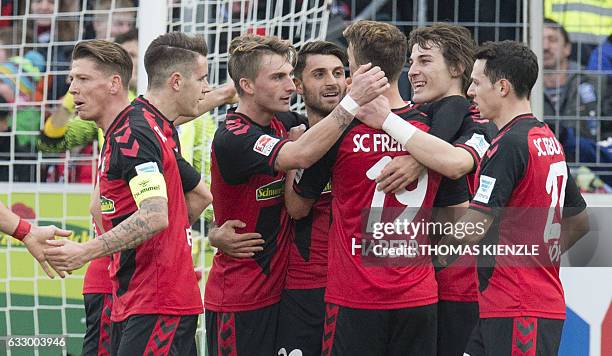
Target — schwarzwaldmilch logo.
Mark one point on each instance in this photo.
(271, 190)
(107, 206)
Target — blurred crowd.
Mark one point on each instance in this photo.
(36, 43)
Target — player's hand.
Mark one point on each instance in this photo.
(233, 244)
(66, 255)
(375, 112)
(367, 83)
(398, 174)
(36, 242)
(296, 131)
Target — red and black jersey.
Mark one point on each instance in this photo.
(524, 183)
(459, 284)
(245, 186)
(356, 278)
(307, 267)
(157, 277)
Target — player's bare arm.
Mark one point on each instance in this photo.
(197, 200)
(148, 220)
(434, 153)
(225, 94)
(368, 83)
(573, 229)
(473, 218)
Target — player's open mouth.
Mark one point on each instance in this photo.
(331, 94)
(418, 84)
(78, 104)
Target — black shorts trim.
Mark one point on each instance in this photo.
(98, 309)
(163, 335)
(456, 320)
(301, 321)
(242, 333)
(406, 331)
(524, 336)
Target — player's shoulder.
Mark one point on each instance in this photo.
(291, 119)
(515, 134)
(415, 114)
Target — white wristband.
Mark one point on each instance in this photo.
(350, 105)
(398, 128)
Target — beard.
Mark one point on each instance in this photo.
(315, 104)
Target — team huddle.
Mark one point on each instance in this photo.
(296, 197)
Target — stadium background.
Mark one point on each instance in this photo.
(53, 188)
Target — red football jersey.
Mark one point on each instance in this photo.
(247, 187)
(356, 277)
(524, 183)
(308, 254)
(157, 277)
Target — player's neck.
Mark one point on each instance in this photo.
(314, 116)
(395, 98)
(512, 109)
(166, 104)
(255, 112)
(114, 107)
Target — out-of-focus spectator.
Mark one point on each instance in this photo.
(120, 21)
(588, 22)
(569, 93)
(572, 106)
(601, 57)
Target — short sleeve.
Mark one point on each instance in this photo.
(243, 150)
(447, 117)
(189, 176)
(310, 183)
(500, 172)
(574, 203)
(139, 150)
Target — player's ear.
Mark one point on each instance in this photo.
(457, 70)
(175, 81)
(247, 86)
(504, 87)
(299, 87)
(116, 85)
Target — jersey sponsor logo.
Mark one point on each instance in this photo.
(479, 143)
(547, 146)
(107, 206)
(485, 189)
(376, 143)
(147, 167)
(328, 188)
(265, 144)
(271, 190)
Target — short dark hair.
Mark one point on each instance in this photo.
(557, 26)
(455, 43)
(131, 35)
(317, 47)
(172, 52)
(379, 43)
(512, 61)
(108, 55)
(246, 52)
